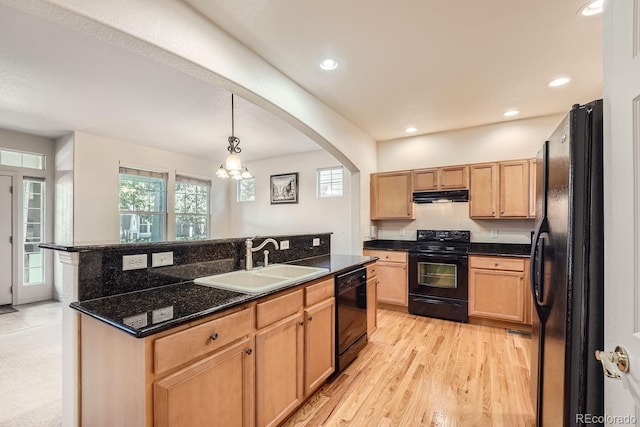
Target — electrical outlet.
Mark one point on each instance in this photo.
(160, 259)
(162, 314)
(134, 262)
(136, 321)
(402, 232)
(316, 241)
(494, 234)
(284, 244)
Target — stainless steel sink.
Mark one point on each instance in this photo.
(261, 280)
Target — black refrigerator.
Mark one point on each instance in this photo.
(567, 272)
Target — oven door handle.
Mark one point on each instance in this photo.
(437, 256)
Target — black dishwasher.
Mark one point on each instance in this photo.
(351, 316)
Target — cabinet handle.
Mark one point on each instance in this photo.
(248, 351)
(502, 212)
(496, 264)
(309, 318)
(300, 323)
(213, 336)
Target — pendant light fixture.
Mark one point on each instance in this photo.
(232, 165)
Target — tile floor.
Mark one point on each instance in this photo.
(30, 365)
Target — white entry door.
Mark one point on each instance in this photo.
(6, 248)
(621, 25)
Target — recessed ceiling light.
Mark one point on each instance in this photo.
(410, 129)
(511, 113)
(560, 81)
(592, 8)
(329, 64)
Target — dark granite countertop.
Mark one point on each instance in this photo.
(477, 248)
(190, 301)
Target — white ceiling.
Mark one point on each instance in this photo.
(434, 64)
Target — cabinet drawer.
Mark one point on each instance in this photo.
(497, 263)
(174, 350)
(275, 309)
(372, 270)
(319, 292)
(388, 256)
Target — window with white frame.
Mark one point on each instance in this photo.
(21, 159)
(143, 205)
(192, 208)
(246, 190)
(33, 230)
(330, 182)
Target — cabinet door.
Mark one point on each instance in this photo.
(217, 390)
(496, 294)
(483, 193)
(514, 189)
(278, 370)
(454, 177)
(391, 196)
(425, 179)
(392, 283)
(372, 311)
(319, 344)
(532, 188)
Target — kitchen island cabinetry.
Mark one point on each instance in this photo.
(499, 190)
(393, 286)
(391, 195)
(499, 290)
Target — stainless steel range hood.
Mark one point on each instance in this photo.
(441, 196)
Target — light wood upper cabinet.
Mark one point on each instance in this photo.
(483, 195)
(454, 177)
(532, 187)
(514, 189)
(425, 179)
(499, 190)
(444, 178)
(391, 195)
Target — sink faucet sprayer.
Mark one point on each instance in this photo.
(251, 250)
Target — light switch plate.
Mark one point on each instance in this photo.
(284, 244)
(134, 262)
(494, 234)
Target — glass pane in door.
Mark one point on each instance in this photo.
(437, 275)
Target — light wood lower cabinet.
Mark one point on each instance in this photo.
(217, 389)
(393, 285)
(279, 373)
(499, 289)
(319, 344)
(372, 292)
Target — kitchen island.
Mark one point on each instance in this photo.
(176, 353)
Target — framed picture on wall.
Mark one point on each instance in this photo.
(284, 188)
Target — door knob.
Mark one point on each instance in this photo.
(617, 360)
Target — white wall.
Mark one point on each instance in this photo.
(33, 144)
(517, 139)
(96, 166)
(63, 232)
(310, 215)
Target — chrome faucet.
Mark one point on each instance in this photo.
(251, 250)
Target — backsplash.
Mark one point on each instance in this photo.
(455, 216)
(101, 274)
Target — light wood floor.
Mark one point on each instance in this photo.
(422, 371)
